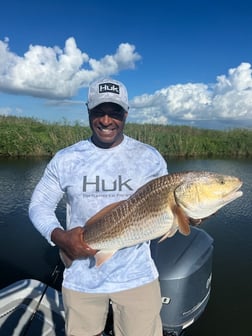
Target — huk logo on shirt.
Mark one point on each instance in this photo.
(102, 185)
(109, 87)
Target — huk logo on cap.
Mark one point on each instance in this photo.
(109, 87)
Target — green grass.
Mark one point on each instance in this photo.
(29, 137)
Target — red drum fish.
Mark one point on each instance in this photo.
(158, 209)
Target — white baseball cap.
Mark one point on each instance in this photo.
(107, 90)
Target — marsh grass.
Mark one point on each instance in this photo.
(30, 137)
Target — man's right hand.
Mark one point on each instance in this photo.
(72, 244)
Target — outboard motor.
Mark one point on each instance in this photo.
(185, 269)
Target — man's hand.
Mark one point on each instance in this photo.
(72, 244)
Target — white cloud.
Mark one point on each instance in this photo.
(229, 98)
(238, 79)
(7, 111)
(55, 73)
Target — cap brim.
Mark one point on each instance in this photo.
(106, 100)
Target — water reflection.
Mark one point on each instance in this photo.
(17, 180)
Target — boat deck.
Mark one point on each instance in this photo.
(24, 313)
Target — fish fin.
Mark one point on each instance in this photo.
(170, 233)
(102, 256)
(65, 259)
(100, 214)
(183, 221)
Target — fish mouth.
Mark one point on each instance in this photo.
(233, 194)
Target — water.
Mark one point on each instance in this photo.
(229, 309)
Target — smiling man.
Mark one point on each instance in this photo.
(108, 109)
(93, 173)
(107, 123)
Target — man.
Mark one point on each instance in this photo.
(93, 173)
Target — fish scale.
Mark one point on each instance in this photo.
(132, 220)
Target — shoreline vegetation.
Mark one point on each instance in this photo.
(28, 137)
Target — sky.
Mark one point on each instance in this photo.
(184, 62)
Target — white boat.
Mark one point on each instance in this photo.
(29, 307)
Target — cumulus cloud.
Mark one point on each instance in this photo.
(51, 72)
(230, 98)
(57, 74)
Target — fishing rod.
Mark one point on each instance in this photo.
(54, 275)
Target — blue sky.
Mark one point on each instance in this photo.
(183, 62)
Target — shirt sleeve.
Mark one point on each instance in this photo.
(45, 198)
(157, 164)
(163, 170)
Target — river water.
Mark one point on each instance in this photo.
(229, 309)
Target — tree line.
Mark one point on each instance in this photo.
(31, 137)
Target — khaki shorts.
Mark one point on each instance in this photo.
(135, 311)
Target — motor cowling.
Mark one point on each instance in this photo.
(185, 271)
